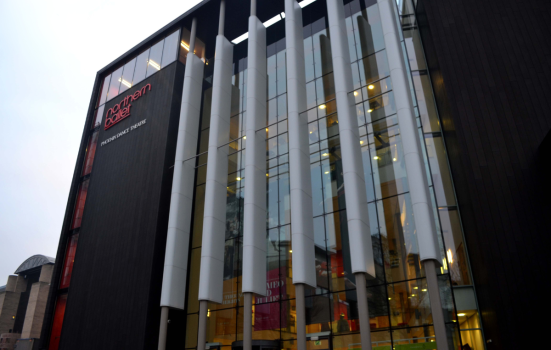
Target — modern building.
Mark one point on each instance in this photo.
(23, 302)
(322, 174)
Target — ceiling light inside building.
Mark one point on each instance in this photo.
(305, 3)
(240, 38)
(125, 82)
(371, 87)
(322, 107)
(184, 45)
(154, 64)
(356, 93)
(369, 110)
(375, 157)
(461, 315)
(272, 20)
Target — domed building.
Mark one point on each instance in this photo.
(23, 302)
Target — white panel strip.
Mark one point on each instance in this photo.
(302, 224)
(417, 177)
(181, 201)
(254, 228)
(214, 223)
(361, 250)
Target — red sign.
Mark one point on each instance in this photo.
(267, 316)
(122, 110)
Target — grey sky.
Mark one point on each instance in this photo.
(50, 53)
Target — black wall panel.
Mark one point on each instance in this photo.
(490, 66)
(116, 284)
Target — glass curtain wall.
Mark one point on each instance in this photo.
(399, 304)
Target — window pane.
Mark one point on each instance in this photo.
(69, 261)
(114, 84)
(455, 247)
(154, 62)
(90, 154)
(380, 107)
(414, 336)
(338, 247)
(127, 74)
(79, 206)
(104, 89)
(272, 201)
(57, 323)
(222, 326)
(425, 101)
(272, 76)
(98, 117)
(191, 330)
(141, 67)
(317, 193)
(441, 177)
(170, 48)
(193, 289)
(399, 239)
(409, 303)
(414, 48)
(198, 214)
(318, 313)
(325, 87)
(281, 73)
(373, 68)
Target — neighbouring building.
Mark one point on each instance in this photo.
(322, 174)
(23, 301)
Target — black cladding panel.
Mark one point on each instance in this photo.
(115, 289)
(489, 65)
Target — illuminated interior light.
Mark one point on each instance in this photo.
(423, 290)
(283, 14)
(325, 154)
(389, 298)
(322, 107)
(244, 137)
(444, 264)
(290, 251)
(267, 129)
(415, 287)
(356, 93)
(450, 256)
(375, 157)
(414, 295)
(311, 132)
(461, 315)
(208, 313)
(125, 82)
(238, 179)
(327, 172)
(272, 20)
(361, 142)
(371, 87)
(305, 3)
(154, 65)
(267, 175)
(369, 110)
(240, 38)
(184, 45)
(394, 159)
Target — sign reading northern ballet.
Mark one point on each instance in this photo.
(121, 111)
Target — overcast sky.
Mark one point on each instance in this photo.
(50, 53)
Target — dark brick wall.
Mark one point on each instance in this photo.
(490, 65)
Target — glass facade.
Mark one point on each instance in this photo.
(400, 314)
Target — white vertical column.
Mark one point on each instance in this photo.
(254, 227)
(302, 224)
(181, 201)
(214, 222)
(254, 216)
(173, 294)
(361, 250)
(429, 250)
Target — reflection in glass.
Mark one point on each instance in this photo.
(154, 61)
(408, 337)
(69, 262)
(98, 117)
(114, 84)
(79, 206)
(170, 48)
(399, 239)
(127, 75)
(141, 67)
(104, 89)
(90, 154)
(409, 303)
(425, 101)
(222, 326)
(456, 252)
